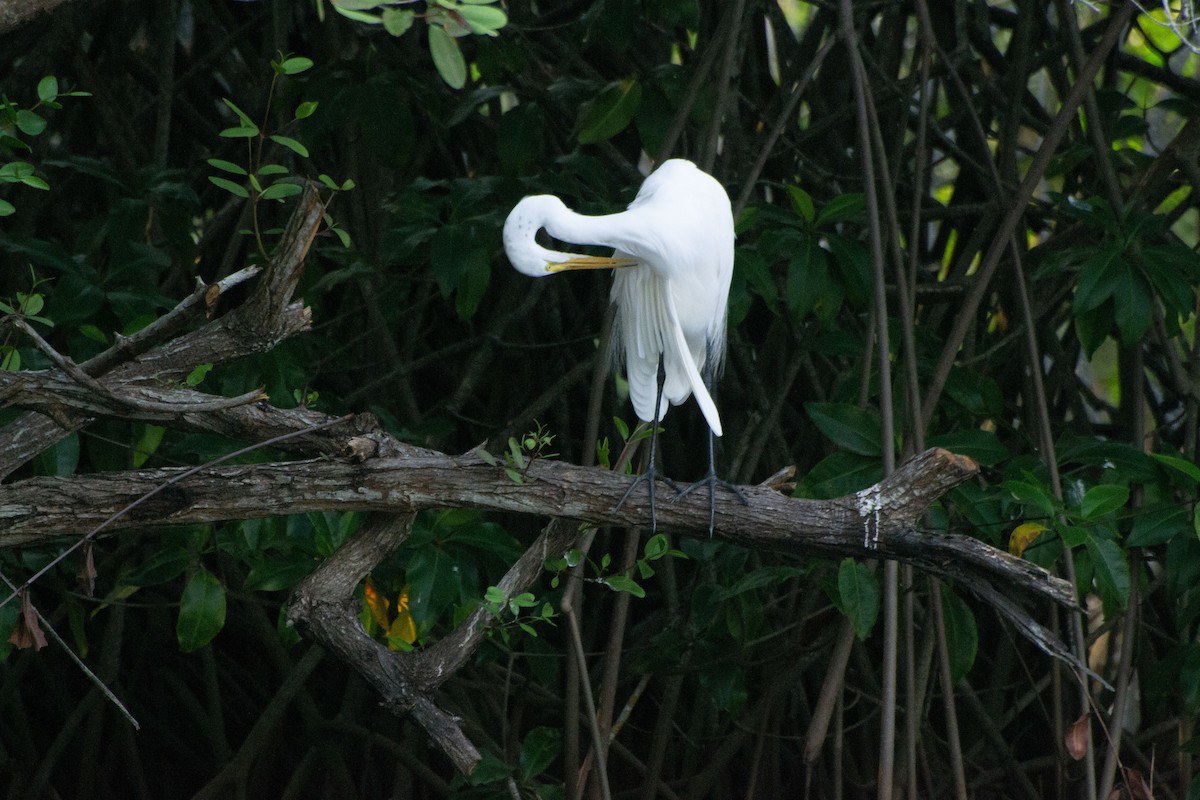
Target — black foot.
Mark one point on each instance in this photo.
(649, 477)
(712, 482)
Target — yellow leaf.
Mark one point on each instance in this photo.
(403, 627)
(1023, 535)
(377, 604)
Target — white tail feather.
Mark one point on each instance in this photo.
(699, 390)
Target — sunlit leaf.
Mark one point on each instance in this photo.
(398, 21)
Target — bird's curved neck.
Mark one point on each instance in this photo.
(606, 229)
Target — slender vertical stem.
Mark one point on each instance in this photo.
(887, 733)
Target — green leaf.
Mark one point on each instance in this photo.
(226, 166)
(201, 611)
(305, 109)
(447, 57)
(611, 112)
(538, 751)
(29, 123)
(7, 208)
(278, 191)
(397, 21)
(272, 169)
(1111, 572)
(31, 303)
(1158, 526)
(1072, 535)
(802, 203)
(1031, 494)
(93, 332)
(290, 144)
(196, 376)
(483, 19)
(295, 65)
(239, 133)
(622, 583)
(230, 186)
(1100, 500)
(358, 16)
(147, 444)
(962, 635)
(858, 592)
(1182, 465)
(166, 564)
(241, 115)
(355, 5)
(47, 89)
(849, 207)
(858, 430)
(656, 547)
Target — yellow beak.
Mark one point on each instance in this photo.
(591, 262)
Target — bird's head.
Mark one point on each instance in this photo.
(528, 257)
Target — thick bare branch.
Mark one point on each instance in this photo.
(878, 522)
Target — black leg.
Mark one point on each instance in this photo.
(651, 473)
(711, 480)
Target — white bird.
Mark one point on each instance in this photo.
(672, 264)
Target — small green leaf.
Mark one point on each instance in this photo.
(241, 115)
(226, 166)
(290, 144)
(94, 333)
(355, 5)
(295, 65)
(802, 203)
(201, 611)
(1100, 500)
(30, 123)
(306, 109)
(621, 583)
(447, 57)
(229, 186)
(359, 16)
(239, 133)
(858, 592)
(196, 376)
(10, 358)
(47, 89)
(397, 21)
(278, 191)
(32, 303)
(35, 182)
(656, 547)
(483, 19)
(7, 208)
(272, 169)
(611, 111)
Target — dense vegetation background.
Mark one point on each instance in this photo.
(1040, 296)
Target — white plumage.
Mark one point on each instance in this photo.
(672, 264)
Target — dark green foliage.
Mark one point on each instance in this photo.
(188, 131)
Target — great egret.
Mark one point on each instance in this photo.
(672, 263)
